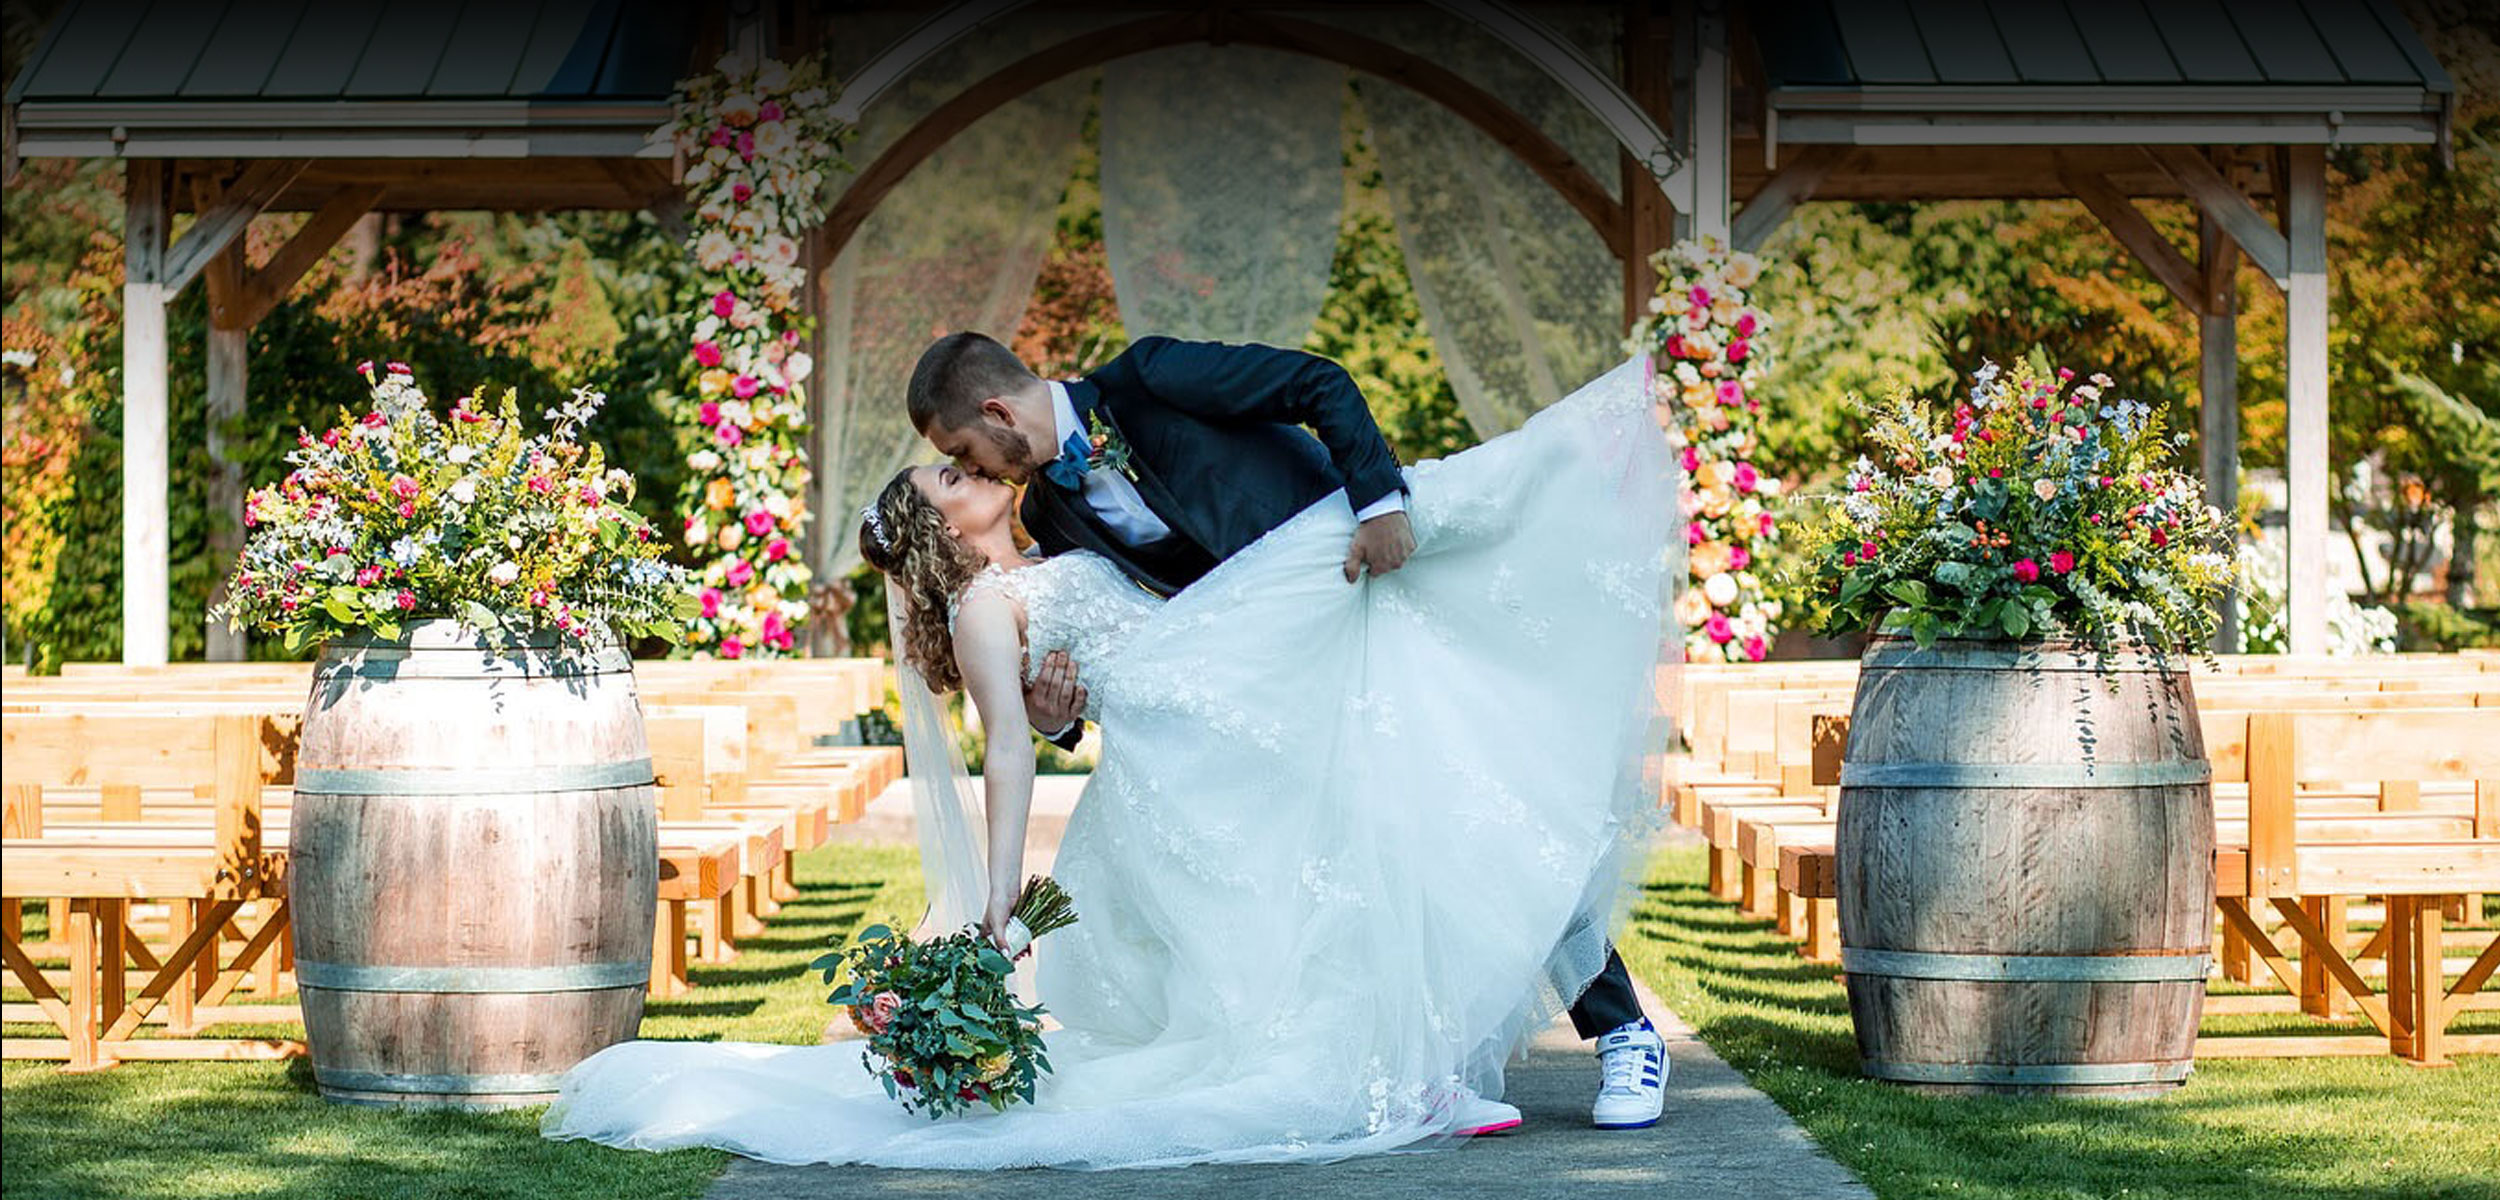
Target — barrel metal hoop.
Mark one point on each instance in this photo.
(390, 662)
(2174, 773)
(579, 977)
(1901, 656)
(2072, 1074)
(2025, 968)
(474, 781)
(451, 1085)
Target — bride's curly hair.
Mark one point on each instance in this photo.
(904, 535)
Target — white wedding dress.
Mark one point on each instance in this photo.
(1345, 845)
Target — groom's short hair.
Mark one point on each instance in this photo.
(956, 373)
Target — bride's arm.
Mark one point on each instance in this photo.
(989, 651)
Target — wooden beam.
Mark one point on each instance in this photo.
(1708, 145)
(224, 219)
(2305, 371)
(1782, 193)
(1649, 219)
(146, 561)
(2216, 195)
(270, 284)
(2128, 224)
(1514, 132)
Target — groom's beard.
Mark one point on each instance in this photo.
(1014, 450)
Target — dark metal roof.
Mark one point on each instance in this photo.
(240, 50)
(1842, 44)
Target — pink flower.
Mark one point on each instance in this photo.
(1767, 524)
(2027, 571)
(1692, 460)
(1675, 345)
(878, 1013)
(403, 487)
(741, 573)
(1718, 629)
(725, 303)
(1695, 535)
(2160, 538)
(365, 368)
(1746, 478)
(1700, 297)
(1738, 558)
(1756, 649)
(407, 509)
(369, 576)
(375, 420)
(707, 353)
(773, 627)
(1746, 325)
(396, 368)
(1863, 484)
(541, 484)
(776, 550)
(746, 144)
(730, 434)
(759, 523)
(1738, 349)
(589, 494)
(1848, 558)
(407, 599)
(720, 136)
(709, 413)
(771, 111)
(1866, 550)
(743, 387)
(739, 192)
(731, 647)
(2061, 561)
(1731, 392)
(711, 602)
(2064, 374)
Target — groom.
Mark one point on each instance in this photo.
(1175, 456)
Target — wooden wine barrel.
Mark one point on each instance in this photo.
(474, 869)
(2025, 849)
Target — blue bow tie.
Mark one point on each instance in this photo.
(1068, 470)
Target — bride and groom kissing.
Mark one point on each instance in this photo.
(1373, 764)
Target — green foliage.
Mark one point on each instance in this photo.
(2442, 628)
(945, 1029)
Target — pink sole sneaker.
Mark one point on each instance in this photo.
(1496, 1127)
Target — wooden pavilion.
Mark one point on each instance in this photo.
(1728, 115)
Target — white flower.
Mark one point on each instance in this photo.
(2044, 488)
(465, 491)
(738, 109)
(777, 504)
(703, 460)
(798, 366)
(1768, 485)
(698, 533)
(1941, 476)
(773, 75)
(1743, 269)
(21, 359)
(461, 454)
(1720, 588)
(778, 248)
(774, 139)
(714, 250)
(708, 328)
(1657, 304)
(503, 573)
(2087, 392)
(698, 172)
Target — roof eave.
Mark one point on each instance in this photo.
(2203, 115)
(343, 129)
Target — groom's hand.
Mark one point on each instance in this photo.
(1380, 546)
(1053, 699)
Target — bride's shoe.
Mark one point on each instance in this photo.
(1478, 1116)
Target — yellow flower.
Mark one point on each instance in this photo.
(713, 382)
(1710, 558)
(718, 494)
(763, 596)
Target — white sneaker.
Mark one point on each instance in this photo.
(1634, 1061)
(1477, 1116)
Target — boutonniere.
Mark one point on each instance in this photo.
(1108, 448)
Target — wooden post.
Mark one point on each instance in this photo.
(2305, 348)
(146, 556)
(2416, 984)
(1649, 76)
(228, 376)
(2218, 351)
(2319, 995)
(1713, 116)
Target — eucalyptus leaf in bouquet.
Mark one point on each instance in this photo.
(399, 515)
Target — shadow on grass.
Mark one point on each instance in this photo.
(2328, 1128)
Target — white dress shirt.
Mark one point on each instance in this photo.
(1114, 498)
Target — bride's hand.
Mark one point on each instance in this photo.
(994, 921)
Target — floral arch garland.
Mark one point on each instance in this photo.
(1704, 338)
(758, 142)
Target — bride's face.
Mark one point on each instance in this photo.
(973, 506)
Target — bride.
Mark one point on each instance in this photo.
(1346, 846)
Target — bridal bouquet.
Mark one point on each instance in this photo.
(2034, 505)
(945, 1030)
(399, 515)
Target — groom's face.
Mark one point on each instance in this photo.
(990, 446)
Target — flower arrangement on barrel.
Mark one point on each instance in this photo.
(757, 142)
(1704, 338)
(398, 515)
(2034, 506)
(945, 1029)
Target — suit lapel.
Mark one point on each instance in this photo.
(1089, 400)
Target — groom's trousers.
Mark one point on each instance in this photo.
(1609, 1001)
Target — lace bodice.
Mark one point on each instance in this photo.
(1078, 602)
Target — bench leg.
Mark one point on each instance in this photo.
(2320, 995)
(785, 881)
(2239, 956)
(265, 972)
(720, 928)
(1725, 872)
(1823, 929)
(668, 950)
(753, 903)
(1762, 887)
(13, 920)
(2416, 980)
(1792, 909)
(181, 918)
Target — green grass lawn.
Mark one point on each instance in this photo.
(2261, 1129)
(175, 1131)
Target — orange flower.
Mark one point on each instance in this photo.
(1710, 558)
(718, 494)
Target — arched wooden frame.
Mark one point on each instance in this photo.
(1515, 133)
